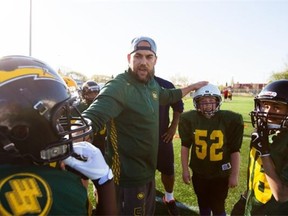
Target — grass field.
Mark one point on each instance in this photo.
(183, 193)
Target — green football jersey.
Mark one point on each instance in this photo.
(39, 190)
(260, 199)
(212, 141)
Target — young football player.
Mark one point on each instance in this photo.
(89, 91)
(36, 135)
(212, 138)
(267, 192)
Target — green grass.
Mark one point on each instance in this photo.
(183, 193)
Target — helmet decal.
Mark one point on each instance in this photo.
(24, 72)
(70, 82)
(268, 93)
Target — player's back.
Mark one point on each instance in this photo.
(39, 190)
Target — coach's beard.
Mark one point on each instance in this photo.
(149, 76)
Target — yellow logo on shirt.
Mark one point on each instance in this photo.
(24, 193)
(154, 95)
(140, 196)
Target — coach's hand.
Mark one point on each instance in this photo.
(88, 160)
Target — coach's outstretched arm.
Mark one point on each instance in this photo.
(193, 87)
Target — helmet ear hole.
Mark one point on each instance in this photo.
(20, 132)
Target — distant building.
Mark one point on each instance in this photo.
(250, 88)
(249, 85)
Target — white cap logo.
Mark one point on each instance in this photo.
(268, 93)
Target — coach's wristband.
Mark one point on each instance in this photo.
(104, 179)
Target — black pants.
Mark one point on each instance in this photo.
(211, 193)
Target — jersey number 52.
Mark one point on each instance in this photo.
(216, 137)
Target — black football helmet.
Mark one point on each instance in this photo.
(87, 88)
(275, 92)
(35, 111)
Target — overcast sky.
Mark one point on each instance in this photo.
(201, 40)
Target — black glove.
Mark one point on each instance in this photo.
(259, 140)
(239, 207)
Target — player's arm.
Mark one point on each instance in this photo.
(235, 143)
(260, 142)
(185, 164)
(89, 161)
(235, 167)
(106, 204)
(278, 188)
